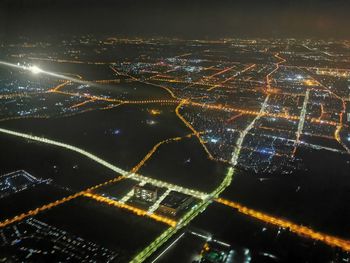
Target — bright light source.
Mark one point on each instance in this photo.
(214, 140)
(35, 69)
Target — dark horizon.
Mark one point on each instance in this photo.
(184, 19)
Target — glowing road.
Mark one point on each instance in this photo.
(206, 200)
(110, 166)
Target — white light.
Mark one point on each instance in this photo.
(165, 250)
(213, 140)
(35, 69)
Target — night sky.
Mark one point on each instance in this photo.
(177, 18)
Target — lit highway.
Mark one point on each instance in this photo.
(302, 119)
(254, 106)
(114, 168)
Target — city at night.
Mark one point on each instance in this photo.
(175, 131)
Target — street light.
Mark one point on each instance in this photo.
(35, 69)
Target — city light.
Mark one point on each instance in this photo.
(35, 69)
(263, 109)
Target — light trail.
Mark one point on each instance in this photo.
(38, 210)
(297, 229)
(48, 206)
(301, 120)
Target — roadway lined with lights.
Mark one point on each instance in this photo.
(156, 204)
(110, 166)
(195, 132)
(137, 167)
(339, 125)
(137, 211)
(301, 120)
(238, 73)
(206, 198)
(192, 103)
(297, 229)
(187, 218)
(204, 203)
(234, 158)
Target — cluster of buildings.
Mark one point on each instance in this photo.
(35, 241)
(172, 204)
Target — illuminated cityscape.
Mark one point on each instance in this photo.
(174, 149)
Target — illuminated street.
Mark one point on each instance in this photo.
(218, 137)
